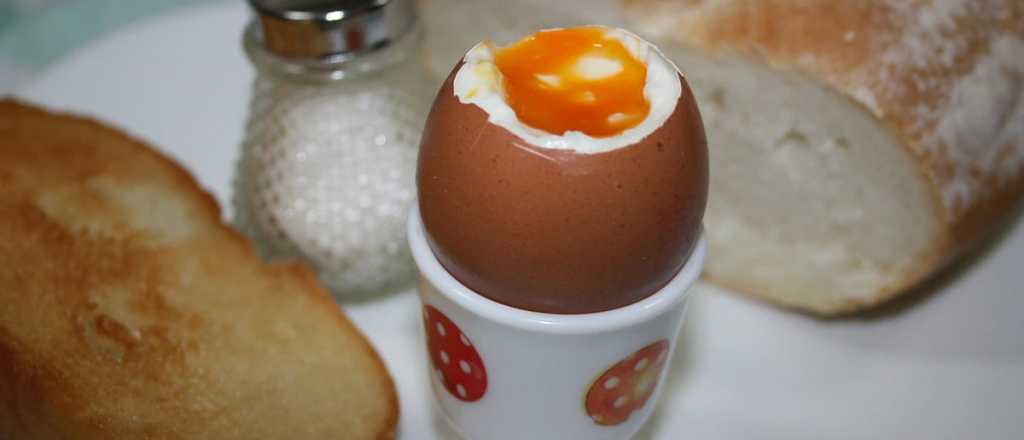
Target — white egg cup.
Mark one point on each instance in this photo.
(502, 373)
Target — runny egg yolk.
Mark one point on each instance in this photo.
(576, 79)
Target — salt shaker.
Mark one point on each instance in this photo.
(328, 161)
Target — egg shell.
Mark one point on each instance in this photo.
(558, 231)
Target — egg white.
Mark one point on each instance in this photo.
(479, 82)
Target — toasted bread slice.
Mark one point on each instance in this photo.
(128, 310)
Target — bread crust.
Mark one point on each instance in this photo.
(121, 323)
(947, 77)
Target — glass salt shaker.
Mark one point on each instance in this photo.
(328, 160)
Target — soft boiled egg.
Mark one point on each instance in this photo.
(564, 173)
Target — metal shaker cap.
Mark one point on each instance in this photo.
(329, 29)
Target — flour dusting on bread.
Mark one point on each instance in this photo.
(963, 64)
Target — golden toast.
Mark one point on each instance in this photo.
(128, 310)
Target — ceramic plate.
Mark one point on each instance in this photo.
(951, 365)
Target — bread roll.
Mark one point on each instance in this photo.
(128, 310)
(857, 147)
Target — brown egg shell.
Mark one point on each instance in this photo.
(558, 231)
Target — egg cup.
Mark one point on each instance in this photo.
(500, 373)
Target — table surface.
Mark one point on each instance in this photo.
(36, 33)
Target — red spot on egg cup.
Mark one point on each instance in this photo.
(626, 386)
(456, 362)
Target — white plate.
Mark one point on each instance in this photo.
(951, 366)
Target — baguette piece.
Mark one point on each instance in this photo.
(857, 147)
(128, 310)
